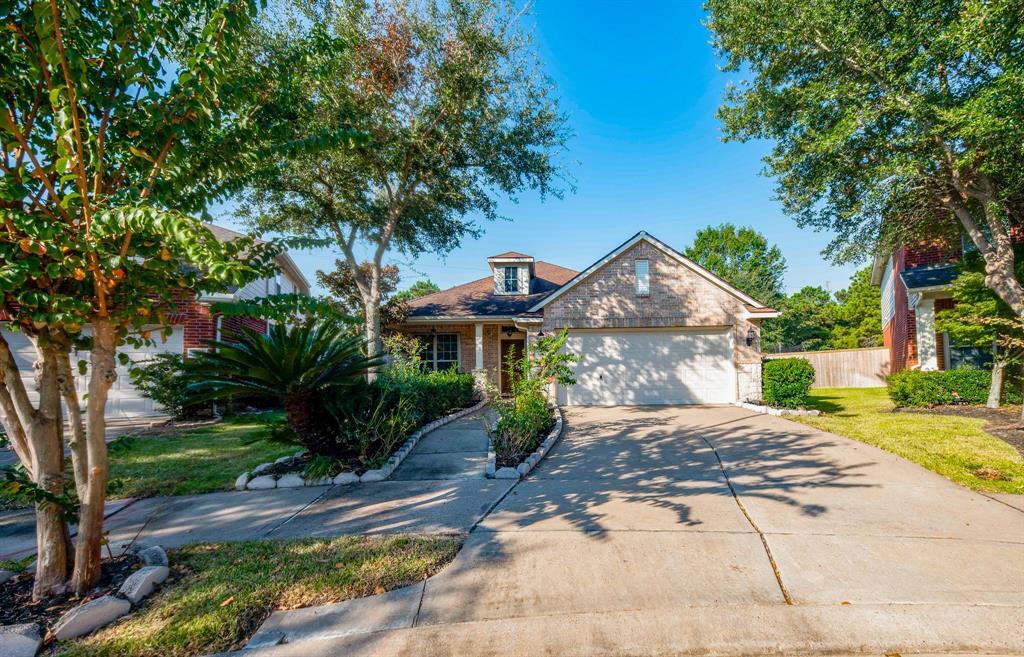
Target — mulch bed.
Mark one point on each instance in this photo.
(511, 461)
(1003, 423)
(16, 605)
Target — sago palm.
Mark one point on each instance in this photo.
(295, 365)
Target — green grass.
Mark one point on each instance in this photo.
(218, 595)
(955, 447)
(199, 460)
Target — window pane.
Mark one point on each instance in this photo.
(428, 350)
(643, 277)
(447, 350)
(511, 279)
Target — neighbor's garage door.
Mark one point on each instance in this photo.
(124, 399)
(651, 367)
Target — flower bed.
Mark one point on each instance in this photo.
(529, 460)
(284, 473)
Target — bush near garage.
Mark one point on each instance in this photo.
(786, 382)
(943, 387)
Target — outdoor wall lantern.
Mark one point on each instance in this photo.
(509, 330)
(751, 337)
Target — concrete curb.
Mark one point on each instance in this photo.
(255, 480)
(768, 410)
(530, 462)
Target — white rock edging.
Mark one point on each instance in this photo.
(531, 461)
(258, 480)
(94, 614)
(768, 410)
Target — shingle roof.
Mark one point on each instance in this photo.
(511, 254)
(928, 276)
(478, 298)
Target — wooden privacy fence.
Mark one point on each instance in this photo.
(845, 368)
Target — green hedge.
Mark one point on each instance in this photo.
(432, 394)
(959, 386)
(786, 382)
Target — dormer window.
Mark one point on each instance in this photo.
(512, 273)
(512, 280)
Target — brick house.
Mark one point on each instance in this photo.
(653, 327)
(915, 283)
(193, 326)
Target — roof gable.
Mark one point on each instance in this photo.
(643, 236)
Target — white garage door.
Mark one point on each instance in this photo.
(652, 367)
(124, 401)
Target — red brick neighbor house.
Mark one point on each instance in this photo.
(193, 326)
(653, 326)
(915, 284)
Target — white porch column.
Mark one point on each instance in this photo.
(479, 346)
(927, 352)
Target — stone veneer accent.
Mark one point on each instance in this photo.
(748, 381)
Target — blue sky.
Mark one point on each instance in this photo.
(640, 88)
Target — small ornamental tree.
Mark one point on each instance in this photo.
(119, 118)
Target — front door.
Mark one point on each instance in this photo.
(517, 347)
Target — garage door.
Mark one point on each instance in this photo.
(652, 367)
(124, 400)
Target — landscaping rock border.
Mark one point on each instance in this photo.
(257, 480)
(768, 410)
(531, 461)
(99, 612)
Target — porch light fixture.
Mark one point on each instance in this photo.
(433, 330)
(540, 333)
(751, 336)
(509, 330)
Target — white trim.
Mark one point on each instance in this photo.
(434, 336)
(217, 297)
(752, 315)
(642, 236)
(930, 288)
(479, 344)
(467, 319)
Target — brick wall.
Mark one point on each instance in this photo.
(934, 252)
(678, 297)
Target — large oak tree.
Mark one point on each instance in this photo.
(458, 115)
(893, 121)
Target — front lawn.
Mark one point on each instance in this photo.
(955, 447)
(219, 594)
(200, 460)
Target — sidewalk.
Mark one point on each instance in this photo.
(439, 489)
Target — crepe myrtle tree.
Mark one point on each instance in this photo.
(893, 121)
(458, 116)
(119, 118)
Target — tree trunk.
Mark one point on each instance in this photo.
(90, 522)
(373, 344)
(44, 434)
(995, 390)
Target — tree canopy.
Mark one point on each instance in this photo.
(892, 121)
(121, 120)
(743, 257)
(457, 115)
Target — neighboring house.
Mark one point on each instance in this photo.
(653, 326)
(915, 282)
(193, 326)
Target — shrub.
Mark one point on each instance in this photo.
(297, 366)
(960, 386)
(164, 380)
(786, 382)
(430, 394)
(371, 422)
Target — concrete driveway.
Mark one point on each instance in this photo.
(683, 530)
